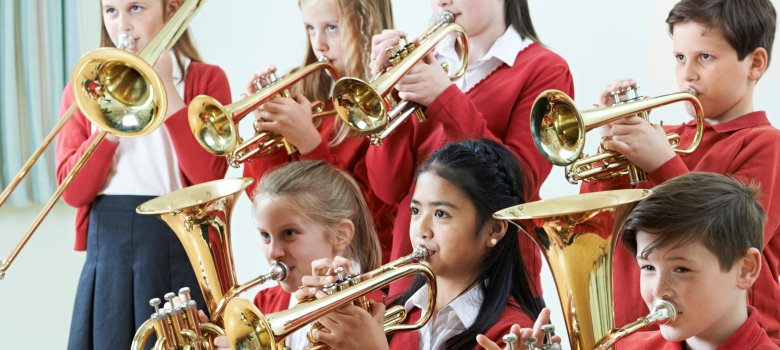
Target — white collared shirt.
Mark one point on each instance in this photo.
(147, 165)
(451, 320)
(503, 51)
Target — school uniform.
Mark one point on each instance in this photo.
(749, 336)
(452, 320)
(349, 156)
(493, 100)
(747, 148)
(132, 258)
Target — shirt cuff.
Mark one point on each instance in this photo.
(672, 168)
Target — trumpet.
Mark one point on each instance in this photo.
(200, 217)
(247, 328)
(118, 92)
(216, 126)
(558, 129)
(369, 109)
(530, 342)
(577, 236)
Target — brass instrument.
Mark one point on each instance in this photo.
(247, 328)
(393, 316)
(200, 216)
(663, 312)
(118, 92)
(216, 126)
(577, 236)
(558, 129)
(369, 108)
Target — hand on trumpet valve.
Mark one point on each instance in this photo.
(383, 47)
(541, 336)
(643, 144)
(618, 91)
(423, 82)
(261, 79)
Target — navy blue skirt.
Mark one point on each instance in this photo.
(131, 258)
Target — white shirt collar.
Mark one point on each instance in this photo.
(505, 48)
(178, 75)
(466, 306)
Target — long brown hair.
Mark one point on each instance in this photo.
(360, 20)
(327, 196)
(183, 47)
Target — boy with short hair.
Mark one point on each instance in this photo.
(722, 48)
(697, 241)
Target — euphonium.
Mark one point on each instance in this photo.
(200, 216)
(577, 236)
(558, 129)
(118, 92)
(216, 126)
(247, 328)
(369, 108)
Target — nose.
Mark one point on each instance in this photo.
(421, 227)
(689, 71)
(319, 42)
(663, 288)
(275, 250)
(443, 3)
(125, 22)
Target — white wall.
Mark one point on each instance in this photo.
(601, 40)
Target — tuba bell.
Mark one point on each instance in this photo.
(216, 126)
(118, 92)
(558, 129)
(577, 236)
(368, 108)
(200, 216)
(248, 328)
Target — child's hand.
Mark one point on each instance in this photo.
(341, 326)
(221, 343)
(523, 333)
(424, 82)
(251, 85)
(291, 118)
(323, 271)
(164, 69)
(607, 99)
(644, 145)
(380, 43)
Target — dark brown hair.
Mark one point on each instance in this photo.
(517, 14)
(746, 24)
(712, 209)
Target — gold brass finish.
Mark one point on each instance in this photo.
(369, 108)
(216, 126)
(247, 328)
(663, 312)
(577, 236)
(558, 129)
(118, 92)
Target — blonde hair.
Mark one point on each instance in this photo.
(360, 20)
(327, 196)
(183, 47)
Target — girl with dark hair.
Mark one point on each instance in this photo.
(508, 68)
(482, 285)
(132, 258)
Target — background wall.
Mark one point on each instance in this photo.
(602, 40)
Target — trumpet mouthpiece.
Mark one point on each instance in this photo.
(126, 42)
(663, 312)
(279, 271)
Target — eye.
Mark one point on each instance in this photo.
(136, 8)
(681, 269)
(647, 268)
(441, 214)
(679, 58)
(110, 10)
(415, 211)
(265, 236)
(332, 27)
(309, 28)
(705, 57)
(287, 234)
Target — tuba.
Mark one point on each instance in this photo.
(200, 217)
(558, 129)
(117, 91)
(577, 236)
(216, 126)
(247, 328)
(367, 107)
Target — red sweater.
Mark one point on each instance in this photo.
(272, 300)
(510, 316)
(749, 336)
(747, 148)
(196, 165)
(349, 156)
(499, 108)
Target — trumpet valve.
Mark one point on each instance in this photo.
(530, 343)
(510, 340)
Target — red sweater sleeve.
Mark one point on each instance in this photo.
(71, 143)
(195, 163)
(460, 116)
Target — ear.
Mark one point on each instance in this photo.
(345, 232)
(758, 63)
(496, 231)
(749, 266)
(171, 7)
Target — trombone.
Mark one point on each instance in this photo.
(558, 129)
(368, 108)
(216, 126)
(118, 92)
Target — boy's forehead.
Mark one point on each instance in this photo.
(692, 248)
(698, 32)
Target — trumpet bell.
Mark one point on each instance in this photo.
(359, 105)
(557, 127)
(212, 125)
(120, 92)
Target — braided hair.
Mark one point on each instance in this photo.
(491, 177)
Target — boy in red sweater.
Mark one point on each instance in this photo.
(722, 49)
(697, 241)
